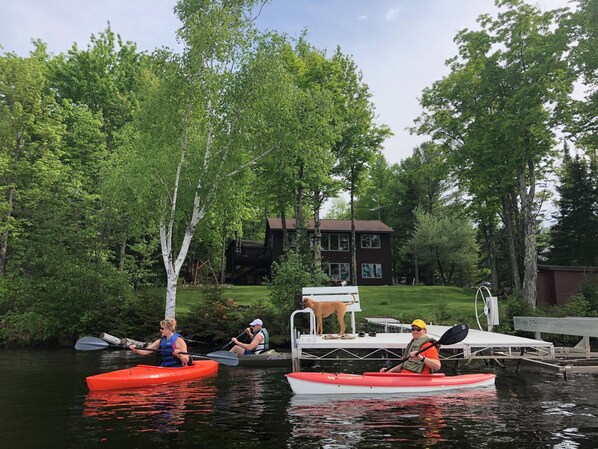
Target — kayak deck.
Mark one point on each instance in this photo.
(265, 359)
(383, 383)
(143, 375)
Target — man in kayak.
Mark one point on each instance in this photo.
(259, 339)
(423, 363)
(171, 345)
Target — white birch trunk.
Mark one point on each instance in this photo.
(172, 265)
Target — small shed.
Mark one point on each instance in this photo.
(557, 284)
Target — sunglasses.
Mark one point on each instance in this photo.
(416, 329)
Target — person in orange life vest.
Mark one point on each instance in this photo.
(172, 346)
(423, 363)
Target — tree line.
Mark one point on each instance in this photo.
(122, 170)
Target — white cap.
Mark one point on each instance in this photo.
(256, 322)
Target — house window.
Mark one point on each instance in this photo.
(371, 270)
(370, 240)
(335, 242)
(339, 271)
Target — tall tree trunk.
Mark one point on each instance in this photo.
(9, 208)
(490, 247)
(508, 222)
(416, 278)
(285, 231)
(173, 265)
(6, 233)
(223, 255)
(530, 266)
(318, 199)
(353, 238)
(123, 248)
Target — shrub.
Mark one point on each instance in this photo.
(589, 289)
(288, 278)
(578, 305)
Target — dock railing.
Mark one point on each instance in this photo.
(575, 326)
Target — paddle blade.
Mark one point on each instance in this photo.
(90, 344)
(454, 335)
(224, 357)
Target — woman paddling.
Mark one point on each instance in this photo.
(172, 347)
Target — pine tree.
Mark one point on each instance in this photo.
(575, 235)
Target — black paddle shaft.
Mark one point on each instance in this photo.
(454, 335)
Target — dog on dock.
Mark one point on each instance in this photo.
(325, 309)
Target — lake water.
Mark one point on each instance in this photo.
(44, 403)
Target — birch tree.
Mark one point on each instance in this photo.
(205, 116)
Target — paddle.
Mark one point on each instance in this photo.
(454, 335)
(237, 337)
(93, 344)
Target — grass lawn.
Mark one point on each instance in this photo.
(443, 305)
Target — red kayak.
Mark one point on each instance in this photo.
(143, 375)
(386, 383)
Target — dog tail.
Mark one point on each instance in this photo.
(354, 298)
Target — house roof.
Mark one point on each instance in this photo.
(335, 225)
(582, 269)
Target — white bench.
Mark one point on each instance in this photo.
(348, 295)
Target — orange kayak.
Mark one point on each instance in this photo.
(143, 375)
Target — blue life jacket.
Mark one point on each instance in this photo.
(167, 358)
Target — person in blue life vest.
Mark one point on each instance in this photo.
(259, 339)
(172, 347)
(425, 362)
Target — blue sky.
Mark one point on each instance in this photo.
(399, 45)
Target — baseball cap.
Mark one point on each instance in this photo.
(419, 323)
(256, 322)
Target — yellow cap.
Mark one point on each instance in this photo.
(419, 323)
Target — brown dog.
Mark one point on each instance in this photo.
(325, 309)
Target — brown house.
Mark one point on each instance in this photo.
(557, 284)
(248, 262)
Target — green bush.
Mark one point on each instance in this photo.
(577, 305)
(288, 278)
(215, 319)
(589, 289)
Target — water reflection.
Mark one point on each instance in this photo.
(48, 406)
(160, 408)
(346, 421)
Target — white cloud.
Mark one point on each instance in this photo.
(362, 18)
(392, 14)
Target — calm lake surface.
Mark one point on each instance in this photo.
(44, 403)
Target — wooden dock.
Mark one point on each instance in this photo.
(391, 337)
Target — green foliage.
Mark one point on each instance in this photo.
(589, 290)
(574, 239)
(214, 317)
(577, 305)
(442, 313)
(494, 114)
(447, 243)
(582, 26)
(509, 307)
(288, 278)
